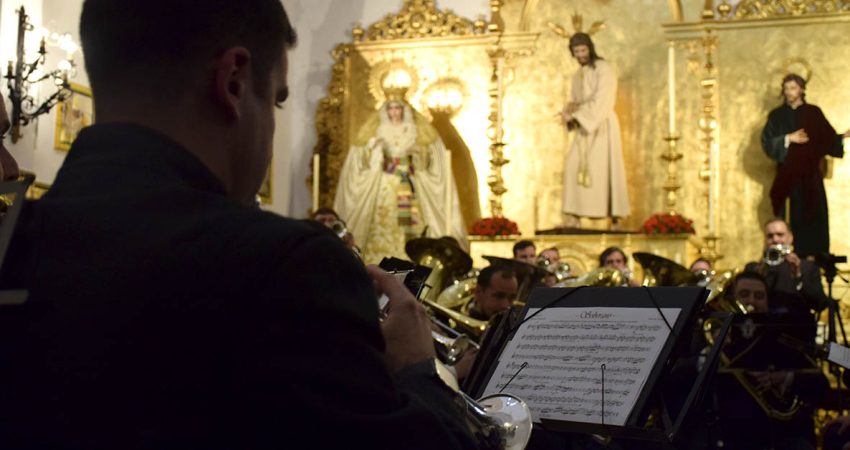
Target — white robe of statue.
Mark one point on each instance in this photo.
(594, 176)
(393, 185)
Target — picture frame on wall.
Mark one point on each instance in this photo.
(72, 115)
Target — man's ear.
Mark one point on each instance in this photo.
(232, 80)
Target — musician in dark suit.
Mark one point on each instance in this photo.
(778, 372)
(794, 278)
(165, 310)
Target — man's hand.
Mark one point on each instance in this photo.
(464, 366)
(798, 137)
(779, 380)
(795, 264)
(406, 329)
(846, 134)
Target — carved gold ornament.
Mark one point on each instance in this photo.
(578, 27)
(418, 19)
(763, 9)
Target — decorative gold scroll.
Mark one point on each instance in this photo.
(763, 9)
(420, 19)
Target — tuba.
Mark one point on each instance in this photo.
(603, 277)
(443, 257)
(659, 271)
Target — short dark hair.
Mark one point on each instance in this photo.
(775, 220)
(522, 245)
(610, 251)
(747, 275)
(324, 210)
(160, 47)
(485, 277)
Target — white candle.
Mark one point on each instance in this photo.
(671, 87)
(448, 170)
(316, 176)
(713, 188)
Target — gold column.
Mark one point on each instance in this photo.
(708, 125)
(496, 130)
(671, 154)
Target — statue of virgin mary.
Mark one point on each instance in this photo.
(394, 184)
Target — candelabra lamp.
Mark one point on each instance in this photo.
(22, 77)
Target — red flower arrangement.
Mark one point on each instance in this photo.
(494, 226)
(665, 223)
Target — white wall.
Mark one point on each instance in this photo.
(35, 152)
(321, 25)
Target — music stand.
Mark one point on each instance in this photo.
(16, 190)
(646, 302)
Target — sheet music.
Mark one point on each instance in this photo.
(839, 354)
(565, 348)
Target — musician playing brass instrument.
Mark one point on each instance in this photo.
(616, 258)
(164, 309)
(787, 273)
(787, 393)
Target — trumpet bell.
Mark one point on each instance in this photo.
(511, 416)
(775, 254)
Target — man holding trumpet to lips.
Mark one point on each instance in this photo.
(165, 310)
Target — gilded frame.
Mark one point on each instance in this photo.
(72, 115)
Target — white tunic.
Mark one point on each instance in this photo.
(594, 177)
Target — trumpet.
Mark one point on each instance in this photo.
(339, 228)
(498, 421)
(453, 348)
(560, 270)
(775, 254)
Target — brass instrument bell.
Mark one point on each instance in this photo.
(775, 254)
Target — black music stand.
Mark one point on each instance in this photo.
(16, 190)
(667, 422)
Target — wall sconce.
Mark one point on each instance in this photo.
(21, 76)
(446, 96)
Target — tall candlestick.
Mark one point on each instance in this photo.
(316, 176)
(671, 86)
(448, 172)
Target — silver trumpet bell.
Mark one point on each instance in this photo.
(339, 228)
(455, 347)
(500, 421)
(775, 254)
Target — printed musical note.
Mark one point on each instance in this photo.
(565, 349)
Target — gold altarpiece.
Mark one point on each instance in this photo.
(729, 62)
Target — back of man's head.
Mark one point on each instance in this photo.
(161, 48)
(485, 277)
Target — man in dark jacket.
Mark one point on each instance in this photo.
(165, 310)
